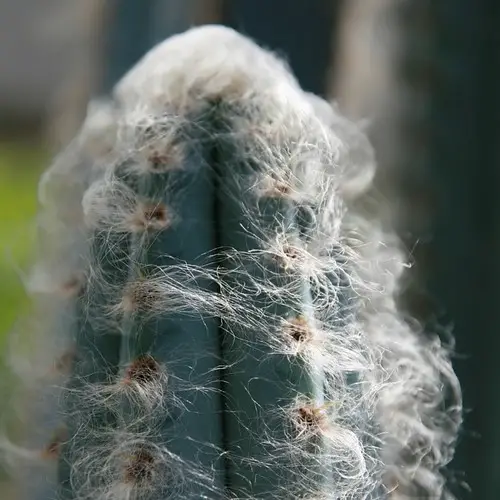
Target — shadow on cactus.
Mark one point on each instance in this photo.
(213, 318)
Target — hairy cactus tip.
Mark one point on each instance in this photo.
(213, 318)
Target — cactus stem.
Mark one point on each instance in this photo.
(165, 161)
(139, 469)
(63, 364)
(291, 257)
(150, 216)
(139, 296)
(72, 287)
(310, 418)
(53, 449)
(142, 371)
(273, 187)
(298, 329)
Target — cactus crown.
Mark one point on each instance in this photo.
(223, 322)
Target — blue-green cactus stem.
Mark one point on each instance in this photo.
(185, 346)
(264, 408)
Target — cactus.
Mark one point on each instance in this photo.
(226, 322)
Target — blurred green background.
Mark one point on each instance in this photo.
(21, 162)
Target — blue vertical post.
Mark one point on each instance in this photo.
(299, 30)
(464, 269)
(127, 36)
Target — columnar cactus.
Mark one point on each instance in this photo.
(226, 322)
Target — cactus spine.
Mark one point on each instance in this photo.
(232, 321)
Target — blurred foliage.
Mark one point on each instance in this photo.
(20, 167)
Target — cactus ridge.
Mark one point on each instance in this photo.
(225, 323)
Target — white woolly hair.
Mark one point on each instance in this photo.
(390, 432)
